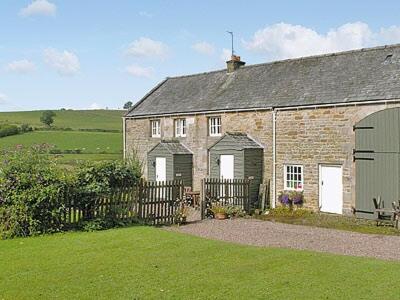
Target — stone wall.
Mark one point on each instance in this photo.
(311, 137)
(307, 137)
(257, 124)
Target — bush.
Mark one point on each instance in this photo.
(7, 130)
(32, 190)
(26, 128)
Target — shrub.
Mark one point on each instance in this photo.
(32, 190)
(26, 128)
(7, 130)
(96, 179)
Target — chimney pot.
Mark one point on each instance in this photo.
(234, 64)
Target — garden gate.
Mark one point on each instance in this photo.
(235, 192)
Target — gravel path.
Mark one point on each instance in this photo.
(269, 234)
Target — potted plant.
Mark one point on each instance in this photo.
(219, 211)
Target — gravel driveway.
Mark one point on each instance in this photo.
(269, 234)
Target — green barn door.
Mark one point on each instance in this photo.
(376, 156)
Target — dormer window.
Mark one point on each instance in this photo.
(214, 124)
(180, 127)
(155, 126)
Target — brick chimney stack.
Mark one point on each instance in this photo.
(234, 64)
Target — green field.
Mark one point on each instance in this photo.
(150, 263)
(93, 145)
(75, 119)
(89, 142)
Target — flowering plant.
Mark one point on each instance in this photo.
(288, 198)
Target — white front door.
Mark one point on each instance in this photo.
(226, 166)
(330, 189)
(161, 169)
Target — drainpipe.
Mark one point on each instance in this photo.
(273, 158)
(124, 135)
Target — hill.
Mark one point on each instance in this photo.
(73, 144)
(75, 119)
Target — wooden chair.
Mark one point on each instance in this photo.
(383, 214)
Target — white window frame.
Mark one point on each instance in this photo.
(180, 127)
(293, 172)
(214, 126)
(155, 128)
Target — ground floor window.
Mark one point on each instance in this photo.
(293, 177)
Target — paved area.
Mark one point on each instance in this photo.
(269, 234)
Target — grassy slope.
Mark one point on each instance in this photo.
(148, 263)
(93, 142)
(75, 119)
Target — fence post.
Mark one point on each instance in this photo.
(140, 200)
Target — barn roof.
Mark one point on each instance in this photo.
(240, 140)
(352, 76)
(173, 147)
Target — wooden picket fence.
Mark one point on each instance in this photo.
(148, 202)
(234, 192)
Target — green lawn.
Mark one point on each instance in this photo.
(90, 142)
(149, 263)
(75, 119)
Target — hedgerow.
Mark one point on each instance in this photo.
(34, 190)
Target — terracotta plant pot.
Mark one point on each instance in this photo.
(220, 216)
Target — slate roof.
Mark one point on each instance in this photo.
(352, 76)
(173, 147)
(240, 139)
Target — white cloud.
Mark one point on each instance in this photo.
(226, 54)
(39, 7)
(283, 40)
(204, 48)
(145, 14)
(21, 66)
(146, 47)
(66, 63)
(139, 71)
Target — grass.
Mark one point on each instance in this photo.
(73, 159)
(89, 142)
(329, 221)
(75, 119)
(149, 263)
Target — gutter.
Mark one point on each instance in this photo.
(273, 200)
(204, 112)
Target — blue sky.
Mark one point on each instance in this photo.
(97, 54)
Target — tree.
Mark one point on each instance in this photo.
(47, 117)
(128, 105)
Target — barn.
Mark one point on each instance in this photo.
(327, 126)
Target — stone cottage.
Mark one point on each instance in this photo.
(326, 125)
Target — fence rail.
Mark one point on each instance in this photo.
(226, 192)
(152, 203)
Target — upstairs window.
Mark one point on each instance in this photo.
(214, 126)
(155, 128)
(180, 127)
(293, 177)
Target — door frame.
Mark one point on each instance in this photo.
(320, 165)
